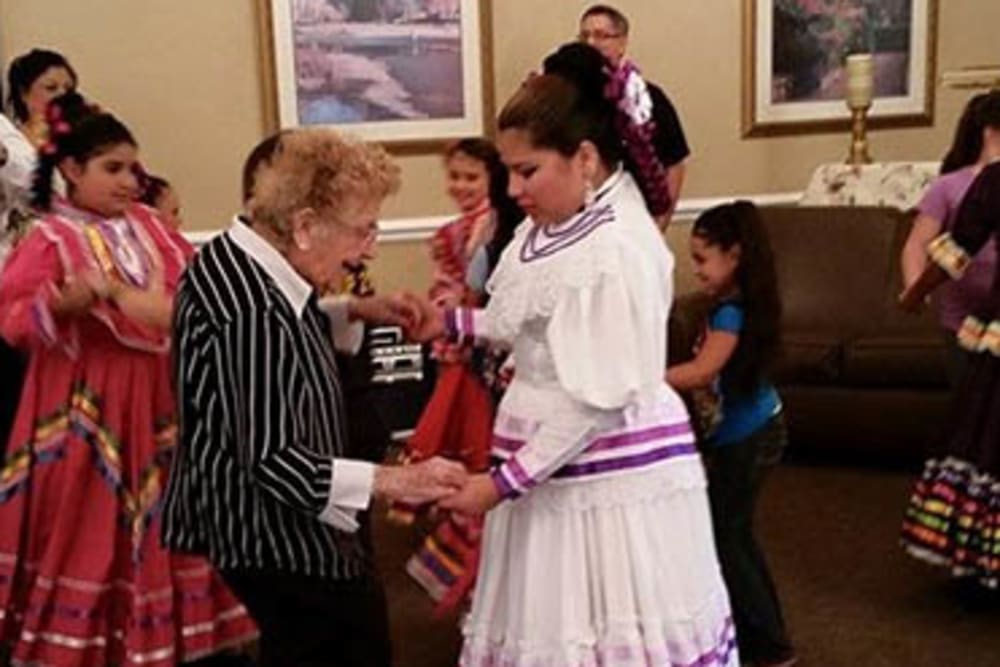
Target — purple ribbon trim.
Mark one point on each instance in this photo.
(638, 460)
(535, 248)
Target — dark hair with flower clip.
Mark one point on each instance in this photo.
(620, 94)
(79, 131)
(25, 70)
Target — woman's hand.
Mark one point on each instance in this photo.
(379, 310)
(78, 295)
(448, 292)
(420, 483)
(152, 306)
(157, 274)
(478, 496)
(427, 321)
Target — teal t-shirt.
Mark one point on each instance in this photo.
(743, 414)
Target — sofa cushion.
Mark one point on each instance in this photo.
(895, 361)
(808, 358)
(833, 265)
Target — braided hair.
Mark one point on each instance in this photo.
(79, 131)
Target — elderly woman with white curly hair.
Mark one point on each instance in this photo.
(260, 484)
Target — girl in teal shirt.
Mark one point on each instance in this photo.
(735, 266)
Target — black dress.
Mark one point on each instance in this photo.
(954, 514)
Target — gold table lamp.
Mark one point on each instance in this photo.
(860, 90)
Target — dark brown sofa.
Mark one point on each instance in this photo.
(859, 378)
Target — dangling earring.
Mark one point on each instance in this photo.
(589, 194)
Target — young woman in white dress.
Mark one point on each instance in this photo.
(598, 544)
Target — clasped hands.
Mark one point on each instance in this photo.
(444, 483)
(420, 319)
(79, 292)
(437, 480)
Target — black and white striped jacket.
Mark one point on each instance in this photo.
(257, 482)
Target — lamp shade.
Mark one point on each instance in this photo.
(860, 80)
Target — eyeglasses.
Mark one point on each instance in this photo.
(597, 35)
(367, 233)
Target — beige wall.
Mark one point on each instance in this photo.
(185, 75)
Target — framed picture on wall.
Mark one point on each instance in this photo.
(793, 62)
(408, 73)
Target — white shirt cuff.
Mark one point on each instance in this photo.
(347, 336)
(351, 485)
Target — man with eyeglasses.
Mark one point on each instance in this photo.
(606, 29)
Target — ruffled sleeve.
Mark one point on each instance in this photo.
(566, 432)
(28, 285)
(608, 339)
(607, 342)
(21, 156)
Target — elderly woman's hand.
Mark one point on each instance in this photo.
(383, 310)
(419, 483)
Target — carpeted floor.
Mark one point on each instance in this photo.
(852, 598)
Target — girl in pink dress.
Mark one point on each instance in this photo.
(88, 294)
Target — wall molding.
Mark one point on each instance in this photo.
(403, 230)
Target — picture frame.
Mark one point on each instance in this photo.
(793, 63)
(411, 75)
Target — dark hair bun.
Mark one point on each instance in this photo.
(583, 66)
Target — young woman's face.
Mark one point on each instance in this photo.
(468, 181)
(106, 183)
(168, 204)
(546, 185)
(714, 267)
(53, 82)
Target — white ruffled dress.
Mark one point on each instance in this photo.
(16, 171)
(601, 553)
